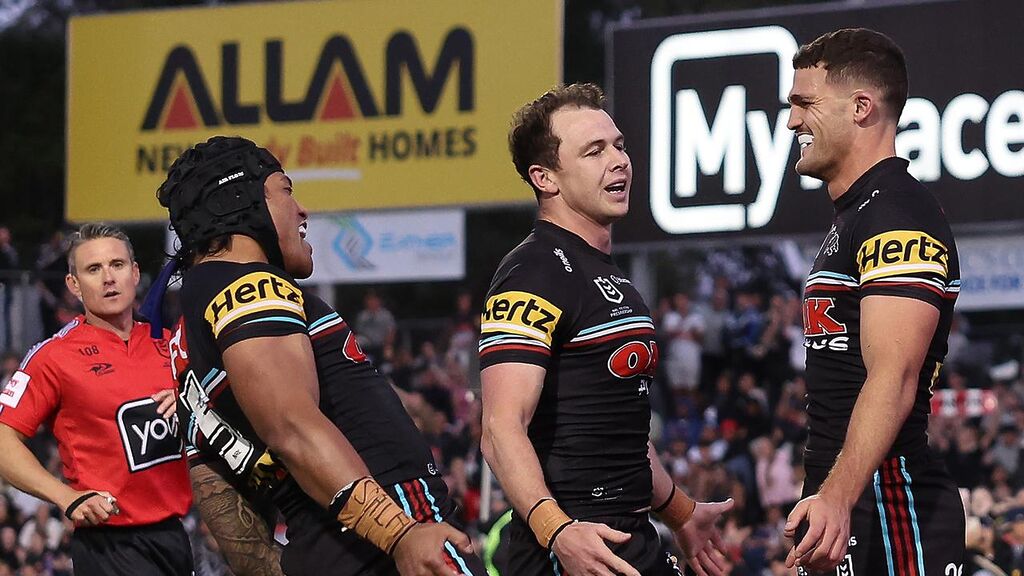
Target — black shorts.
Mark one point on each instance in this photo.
(908, 522)
(161, 549)
(317, 546)
(644, 551)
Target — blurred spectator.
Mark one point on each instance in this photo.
(980, 550)
(45, 525)
(964, 459)
(51, 267)
(9, 264)
(9, 363)
(375, 328)
(1009, 547)
(684, 329)
(713, 352)
(745, 326)
(1006, 452)
(777, 484)
(465, 334)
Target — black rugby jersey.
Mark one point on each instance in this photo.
(889, 236)
(224, 303)
(557, 302)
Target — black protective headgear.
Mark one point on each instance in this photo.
(216, 188)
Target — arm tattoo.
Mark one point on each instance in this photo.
(241, 534)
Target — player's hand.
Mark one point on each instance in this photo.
(421, 551)
(167, 402)
(94, 510)
(701, 540)
(580, 548)
(828, 532)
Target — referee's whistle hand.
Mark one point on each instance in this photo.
(95, 510)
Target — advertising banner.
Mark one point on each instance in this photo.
(702, 102)
(368, 105)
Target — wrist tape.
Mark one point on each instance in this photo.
(676, 510)
(547, 521)
(366, 509)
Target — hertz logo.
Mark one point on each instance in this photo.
(522, 313)
(252, 293)
(901, 252)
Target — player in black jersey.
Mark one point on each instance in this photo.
(567, 355)
(877, 310)
(276, 397)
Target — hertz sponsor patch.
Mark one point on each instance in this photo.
(900, 252)
(253, 294)
(521, 313)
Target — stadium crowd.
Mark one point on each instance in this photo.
(729, 414)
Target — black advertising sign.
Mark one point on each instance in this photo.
(702, 104)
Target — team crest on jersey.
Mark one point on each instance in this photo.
(257, 292)
(610, 292)
(148, 438)
(14, 389)
(831, 244)
(521, 313)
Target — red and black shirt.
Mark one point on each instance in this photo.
(559, 303)
(889, 237)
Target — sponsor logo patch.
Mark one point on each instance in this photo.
(14, 389)
(256, 292)
(521, 313)
(900, 252)
(147, 437)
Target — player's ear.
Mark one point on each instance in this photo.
(71, 281)
(864, 105)
(542, 180)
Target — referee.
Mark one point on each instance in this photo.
(104, 386)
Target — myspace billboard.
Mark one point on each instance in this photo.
(702, 104)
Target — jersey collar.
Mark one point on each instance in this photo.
(867, 181)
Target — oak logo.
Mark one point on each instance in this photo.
(521, 313)
(253, 293)
(338, 89)
(899, 252)
(818, 321)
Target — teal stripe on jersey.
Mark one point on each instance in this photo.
(607, 325)
(277, 319)
(324, 320)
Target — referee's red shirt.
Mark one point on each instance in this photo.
(94, 390)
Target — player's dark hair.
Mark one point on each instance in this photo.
(860, 54)
(530, 139)
(95, 231)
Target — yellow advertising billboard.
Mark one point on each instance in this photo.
(368, 104)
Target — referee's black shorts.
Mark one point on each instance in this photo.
(643, 551)
(908, 522)
(160, 549)
(317, 546)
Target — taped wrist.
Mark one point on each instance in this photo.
(676, 510)
(366, 509)
(547, 521)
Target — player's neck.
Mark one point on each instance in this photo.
(597, 235)
(241, 249)
(120, 324)
(862, 156)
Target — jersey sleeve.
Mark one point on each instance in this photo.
(900, 253)
(259, 303)
(521, 318)
(32, 394)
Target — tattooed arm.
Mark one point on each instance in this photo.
(241, 534)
